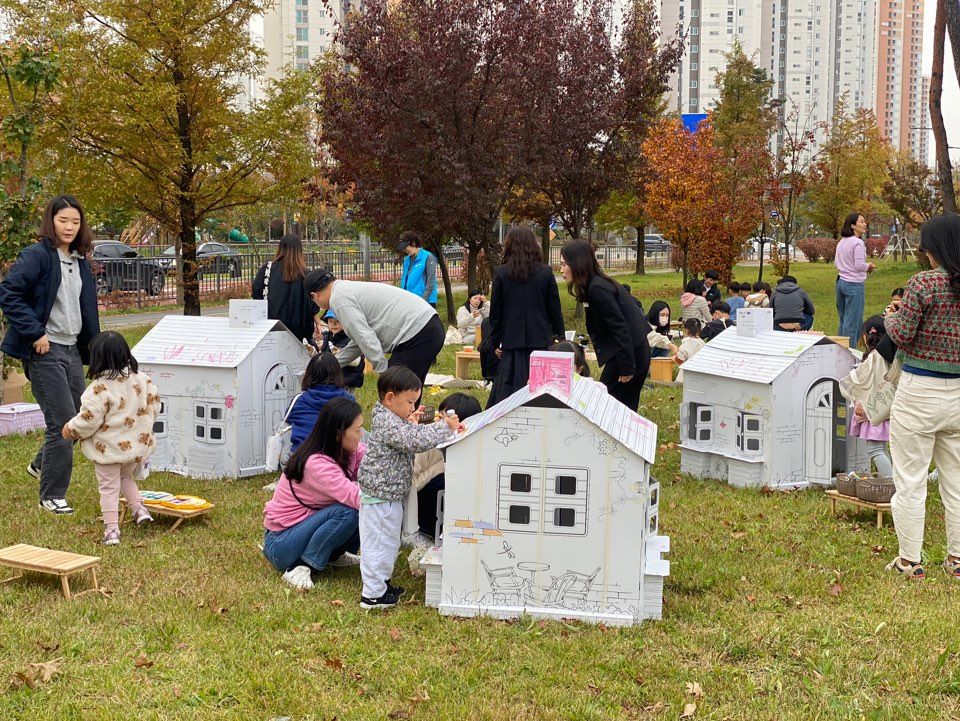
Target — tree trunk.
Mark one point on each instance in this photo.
(188, 246)
(472, 268)
(952, 17)
(640, 268)
(944, 169)
(685, 267)
(447, 287)
(545, 240)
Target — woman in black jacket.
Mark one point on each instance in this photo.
(49, 299)
(617, 328)
(525, 312)
(280, 283)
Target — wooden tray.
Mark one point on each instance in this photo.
(46, 560)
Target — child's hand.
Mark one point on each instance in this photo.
(453, 422)
(858, 411)
(416, 415)
(66, 432)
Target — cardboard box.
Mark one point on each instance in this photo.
(13, 387)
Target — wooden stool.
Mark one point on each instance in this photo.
(834, 496)
(661, 369)
(156, 510)
(464, 359)
(46, 560)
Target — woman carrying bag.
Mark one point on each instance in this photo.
(280, 283)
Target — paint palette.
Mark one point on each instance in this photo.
(155, 498)
(186, 503)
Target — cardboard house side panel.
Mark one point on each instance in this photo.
(546, 514)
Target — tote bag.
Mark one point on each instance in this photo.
(278, 443)
(874, 384)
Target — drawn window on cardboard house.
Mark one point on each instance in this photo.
(208, 422)
(160, 423)
(750, 433)
(551, 501)
(701, 422)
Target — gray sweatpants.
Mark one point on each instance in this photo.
(380, 525)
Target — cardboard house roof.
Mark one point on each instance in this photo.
(202, 341)
(760, 358)
(588, 398)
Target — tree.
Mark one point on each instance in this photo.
(622, 210)
(911, 190)
(437, 110)
(849, 173)
(944, 168)
(162, 78)
(607, 95)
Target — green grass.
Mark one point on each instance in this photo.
(748, 613)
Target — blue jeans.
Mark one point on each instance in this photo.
(659, 352)
(326, 534)
(56, 379)
(850, 303)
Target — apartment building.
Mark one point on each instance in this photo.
(296, 32)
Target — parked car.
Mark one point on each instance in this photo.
(655, 243)
(117, 266)
(212, 257)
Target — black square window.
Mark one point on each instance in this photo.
(753, 424)
(200, 432)
(520, 483)
(706, 415)
(564, 517)
(200, 412)
(520, 514)
(654, 496)
(566, 485)
(216, 434)
(753, 444)
(216, 414)
(158, 426)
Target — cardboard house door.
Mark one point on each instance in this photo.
(818, 432)
(279, 388)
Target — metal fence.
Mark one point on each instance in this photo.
(151, 280)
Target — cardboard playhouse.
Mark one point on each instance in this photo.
(225, 384)
(550, 510)
(763, 408)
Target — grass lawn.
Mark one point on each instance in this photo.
(773, 610)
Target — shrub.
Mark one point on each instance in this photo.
(876, 246)
(676, 259)
(810, 247)
(828, 249)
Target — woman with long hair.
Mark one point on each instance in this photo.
(312, 521)
(660, 337)
(525, 313)
(852, 270)
(924, 424)
(49, 298)
(471, 314)
(280, 283)
(617, 328)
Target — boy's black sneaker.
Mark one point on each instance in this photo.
(399, 590)
(32, 470)
(387, 600)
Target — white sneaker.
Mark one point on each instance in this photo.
(418, 540)
(934, 475)
(59, 506)
(270, 487)
(299, 577)
(347, 559)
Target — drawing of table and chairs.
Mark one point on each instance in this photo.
(508, 588)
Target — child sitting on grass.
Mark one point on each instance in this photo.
(115, 427)
(385, 476)
(690, 346)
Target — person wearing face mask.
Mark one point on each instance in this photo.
(659, 337)
(49, 300)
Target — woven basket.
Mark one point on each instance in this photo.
(847, 484)
(875, 490)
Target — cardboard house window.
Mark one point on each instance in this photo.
(160, 424)
(749, 433)
(565, 486)
(520, 482)
(549, 500)
(701, 421)
(208, 422)
(520, 515)
(566, 517)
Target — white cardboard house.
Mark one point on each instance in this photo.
(766, 410)
(550, 510)
(223, 390)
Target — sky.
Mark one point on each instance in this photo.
(951, 90)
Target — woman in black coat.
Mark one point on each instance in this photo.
(280, 283)
(525, 312)
(617, 328)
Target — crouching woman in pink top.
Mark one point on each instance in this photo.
(312, 520)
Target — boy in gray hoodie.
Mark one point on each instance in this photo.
(385, 476)
(792, 307)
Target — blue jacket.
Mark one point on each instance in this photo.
(27, 295)
(303, 415)
(420, 275)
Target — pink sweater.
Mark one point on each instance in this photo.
(324, 483)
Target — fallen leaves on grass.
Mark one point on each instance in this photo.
(655, 708)
(136, 589)
(394, 634)
(739, 534)
(877, 549)
(142, 661)
(689, 710)
(37, 673)
(398, 714)
(420, 696)
(336, 602)
(49, 647)
(751, 598)
(315, 627)
(334, 663)
(694, 689)
(834, 588)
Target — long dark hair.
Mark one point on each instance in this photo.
(323, 369)
(110, 357)
(290, 251)
(83, 243)
(848, 224)
(940, 237)
(653, 317)
(583, 265)
(873, 331)
(521, 253)
(325, 438)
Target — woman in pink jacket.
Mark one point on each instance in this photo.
(312, 520)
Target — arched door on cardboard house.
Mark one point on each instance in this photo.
(279, 385)
(824, 435)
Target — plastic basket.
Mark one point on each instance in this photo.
(847, 484)
(875, 489)
(20, 418)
